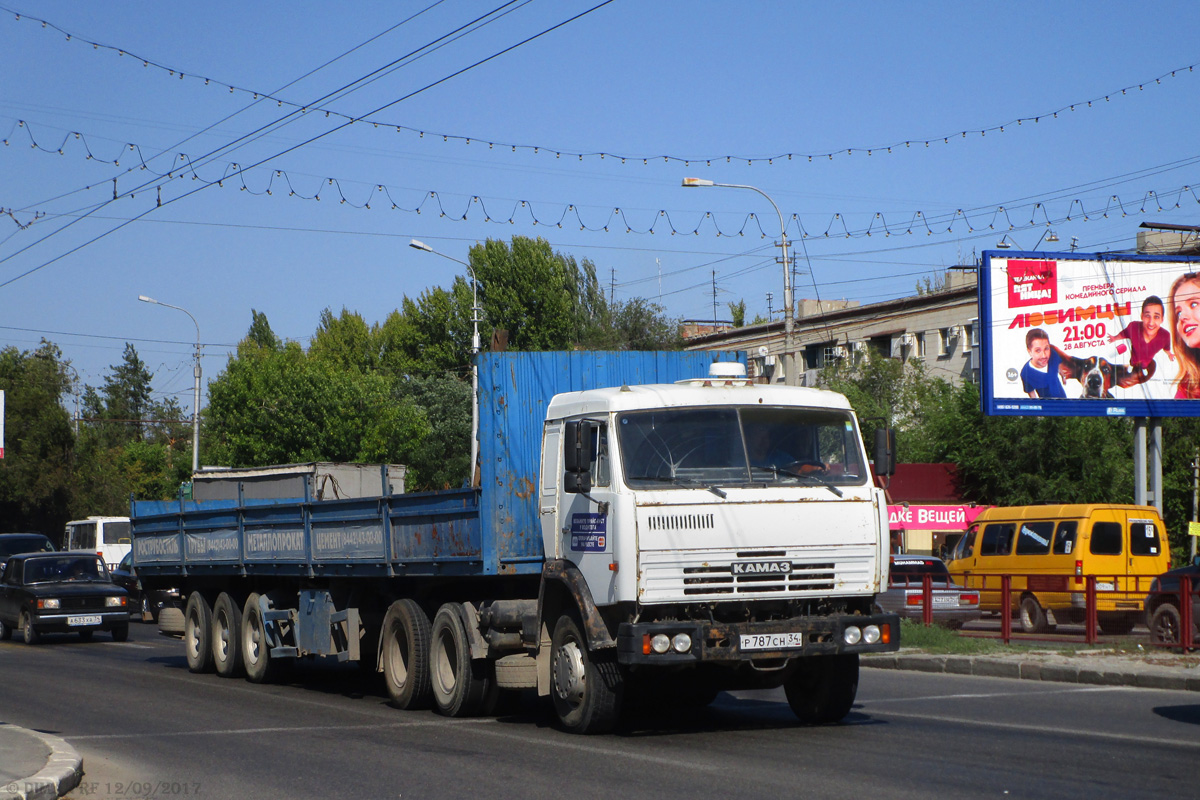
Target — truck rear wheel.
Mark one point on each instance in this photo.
(822, 688)
(226, 636)
(197, 626)
(404, 654)
(255, 644)
(461, 687)
(587, 688)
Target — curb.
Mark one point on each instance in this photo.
(62, 773)
(1032, 671)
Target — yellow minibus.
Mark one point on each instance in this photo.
(1051, 550)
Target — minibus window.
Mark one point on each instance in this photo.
(1064, 538)
(1106, 539)
(1034, 538)
(1143, 538)
(997, 539)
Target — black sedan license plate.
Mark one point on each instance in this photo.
(771, 641)
(83, 619)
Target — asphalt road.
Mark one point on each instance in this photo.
(146, 727)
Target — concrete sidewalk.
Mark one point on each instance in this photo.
(36, 766)
(1150, 669)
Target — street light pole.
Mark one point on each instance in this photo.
(789, 345)
(416, 245)
(196, 392)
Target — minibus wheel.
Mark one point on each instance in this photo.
(1033, 616)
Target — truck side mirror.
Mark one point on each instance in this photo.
(577, 456)
(885, 451)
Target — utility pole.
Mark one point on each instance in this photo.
(714, 281)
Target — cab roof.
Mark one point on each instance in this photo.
(702, 392)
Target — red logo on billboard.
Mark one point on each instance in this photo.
(1032, 283)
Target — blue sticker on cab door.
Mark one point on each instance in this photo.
(589, 533)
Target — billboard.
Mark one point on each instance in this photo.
(1071, 334)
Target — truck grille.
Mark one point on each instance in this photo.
(721, 580)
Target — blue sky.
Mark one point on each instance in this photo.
(696, 80)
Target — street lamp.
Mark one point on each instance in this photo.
(196, 373)
(788, 306)
(417, 245)
(1048, 235)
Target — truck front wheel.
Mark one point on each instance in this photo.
(404, 654)
(587, 689)
(822, 688)
(197, 626)
(461, 687)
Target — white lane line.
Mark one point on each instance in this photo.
(985, 695)
(278, 729)
(1076, 733)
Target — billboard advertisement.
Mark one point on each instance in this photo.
(1071, 334)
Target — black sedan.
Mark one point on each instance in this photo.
(61, 593)
(1163, 606)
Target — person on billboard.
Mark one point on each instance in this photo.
(1040, 376)
(1147, 337)
(1185, 323)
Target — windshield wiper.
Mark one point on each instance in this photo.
(777, 471)
(675, 479)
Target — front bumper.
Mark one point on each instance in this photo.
(720, 643)
(61, 622)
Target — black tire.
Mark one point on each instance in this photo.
(197, 625)
(821, 689)
(255, 646)
(587, 688)
(461, 687)
(1116, 623)
(6, 631)
(226, 634)
(1166, 625)
(28, 632)
(404, 643)
(1033, 616)
(86, 636)
(121, 633)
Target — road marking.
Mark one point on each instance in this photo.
(1075, 733)
(280, 729)
(985, 695)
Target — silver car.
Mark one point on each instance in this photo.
(952, 604)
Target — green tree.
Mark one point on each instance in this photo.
(528, 290)
(737, 312)
(442, 459)
(35, 473)
(345, 341)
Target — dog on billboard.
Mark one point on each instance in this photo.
(1097, 375)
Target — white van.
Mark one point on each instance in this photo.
(105, 536)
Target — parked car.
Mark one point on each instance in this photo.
(13, 543)
(1162, 608)
(146, 604)
(58, 593)
(952, 604)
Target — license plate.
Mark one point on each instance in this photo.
(1105, 586)
(945, 600)
(771, 641)
(83, 619)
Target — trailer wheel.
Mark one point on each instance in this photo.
(255, 645)
(226, 636)
(587, 688)
(197, 623)
(404, 655)
(460, 686)
(822, 688)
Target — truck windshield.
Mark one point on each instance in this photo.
(688, 447)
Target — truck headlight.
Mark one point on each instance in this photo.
(871, 634)
(49, 603)
(661, 643)
(852, 635)
(682, 643)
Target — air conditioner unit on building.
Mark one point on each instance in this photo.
(908, 340)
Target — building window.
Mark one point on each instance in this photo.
(946, 346)
(921, 345)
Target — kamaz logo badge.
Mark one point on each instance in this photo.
(761, 567)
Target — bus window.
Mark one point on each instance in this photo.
(1106, 539)
(1143, 538)
(997, 539)
(81, 536)
(1034, 538)
(1064, 538)
(116, 533)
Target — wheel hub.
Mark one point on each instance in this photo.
(568, 672)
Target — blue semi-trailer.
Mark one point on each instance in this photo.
(626, 537)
